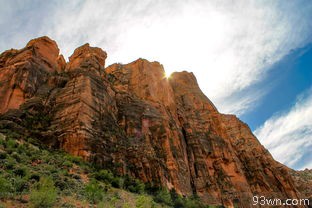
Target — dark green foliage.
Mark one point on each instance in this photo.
(37, 121)
(19, 184)
(12, 135)
(173, 199)
(35, 177)
(5, 188)
(139, 186)
(151, 189)
(20, 171)
(104, 175)
(134, 185)
(3, 155)
(118, 182)
(189, 202)
(68, 164)
(163, 196)
(192, 202)
(16, 156)
(9, 164)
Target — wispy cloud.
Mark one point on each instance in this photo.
(289, 136)
(228, 45)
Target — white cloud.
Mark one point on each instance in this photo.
(228, 45)
(289, 136)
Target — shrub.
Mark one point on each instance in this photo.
(151, 188)
(67, 164)
(9, 164)
(67, 185)
(178, 201)
(61, 184)
(163, 196)
(193, 202)
(19, 184)
(143, 202)
(44, 195)
(33, 141)
(117, 182)
(16, 156)
(11, 144)
(93, 192)
(3, 155)
(5, 188)
(21, 148)
(73, 159)
(13, 135)
(134, 185)
(35, 177)
(20, 172)
(139, 186)
(75, 176)
(104, 175)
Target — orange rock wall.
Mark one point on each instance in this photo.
(133, 120)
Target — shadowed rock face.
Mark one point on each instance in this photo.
(133, 120)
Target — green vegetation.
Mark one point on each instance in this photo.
(94, 192)
(44, 194)
(34, 176)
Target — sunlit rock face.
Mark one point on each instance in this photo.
(85, 101)
(23, 72)
(133, 120)
(86, 57)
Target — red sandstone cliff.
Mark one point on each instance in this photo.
(133, 120)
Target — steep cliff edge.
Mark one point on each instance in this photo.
(23, 71)
(133, 120)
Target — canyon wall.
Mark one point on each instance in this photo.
(133, 120)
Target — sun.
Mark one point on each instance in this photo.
(167, 75)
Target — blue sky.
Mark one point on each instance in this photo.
(251, 58)
(289, 77)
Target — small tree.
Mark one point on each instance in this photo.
(163, 196)
(93, 192)
(44, 195)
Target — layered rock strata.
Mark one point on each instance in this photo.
(132, 119)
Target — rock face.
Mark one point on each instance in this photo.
(85, 100)
(303, 182)
(133, 120)
(23, 71)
